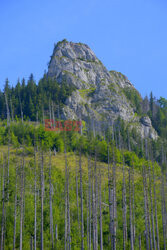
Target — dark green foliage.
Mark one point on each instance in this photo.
(158, 115)
(33, 98)
(134, 97)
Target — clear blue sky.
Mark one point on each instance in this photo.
(128, 36)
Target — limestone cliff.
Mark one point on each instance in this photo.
(99, 94)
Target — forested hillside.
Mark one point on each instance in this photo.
(66, 190)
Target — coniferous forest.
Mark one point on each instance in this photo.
(100, 188)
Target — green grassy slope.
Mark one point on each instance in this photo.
(58, 198)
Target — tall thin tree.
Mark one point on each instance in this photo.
(50, 203)
(81, 197)
(15, 213)
(3, 206)
(42, 199)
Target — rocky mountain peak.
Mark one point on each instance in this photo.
(74, 51)
(100, 94)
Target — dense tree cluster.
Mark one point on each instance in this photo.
(157, 111)
(31, 101)
(155, 108)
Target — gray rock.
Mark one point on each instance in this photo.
(146, 121)
(99, 95)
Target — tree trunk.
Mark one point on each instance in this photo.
(77, 193)
(15, 213)
(130, 213)
(56, 236)
(42, 198)
(100, 209)
(67, 206)
(35, 201)
(3, 208)
(96, 203)
(110, 193)
(155, 205)
(8, 165)
(145, 210)
(89, 187)
(21, 204)
(140, 242)
(124, 209)
(81, 196)
(163, 210)
(133, 204)
(50, 204)
(152, 212)
(114, 206)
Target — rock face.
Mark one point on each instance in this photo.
(146, 121)
(99, 93)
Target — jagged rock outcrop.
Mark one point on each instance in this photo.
(99, 93)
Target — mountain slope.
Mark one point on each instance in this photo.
(100, 95)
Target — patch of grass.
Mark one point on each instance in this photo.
(87, 92)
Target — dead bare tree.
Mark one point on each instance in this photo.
(67, 207)
(81, 197)
(8, 164)
(146, 192)
(93, 211)
(114, 207)
(130, 212)
(114, 211)
(76, 179)
(42, 198)
(87, 209)
(50, 203)
(145, 209)
(15, 213)
(133, 203)
(35, 200)
(21, 202)
(163, 203)
(56, 236)
(124, 203)
(89, 202)
(139, 242)
(95, 201)
(152, 212)
(163, 210)
(100, 210)
(124, 207)
(3, 206)
(155, 205)
(110, 194)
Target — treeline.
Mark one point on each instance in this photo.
(31, 101)
(71, 200)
